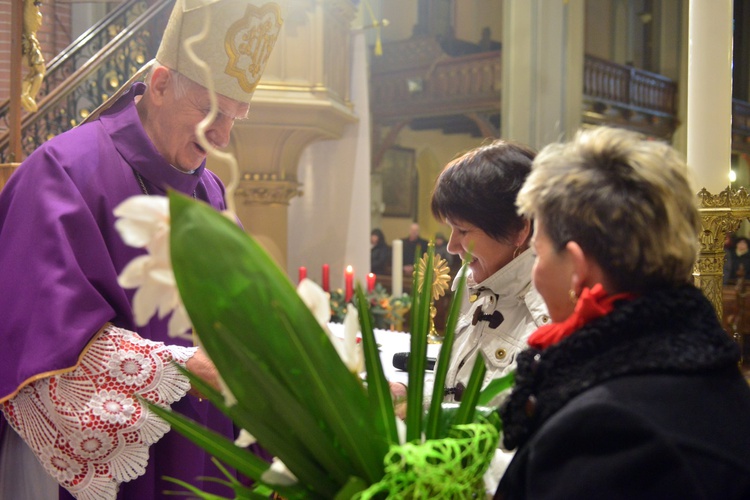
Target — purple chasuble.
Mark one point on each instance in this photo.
(60, 256)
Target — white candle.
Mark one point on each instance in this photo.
(397, 279)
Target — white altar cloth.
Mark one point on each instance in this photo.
(390, 344)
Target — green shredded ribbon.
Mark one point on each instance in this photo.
(451, 467)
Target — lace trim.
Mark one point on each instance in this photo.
(86, 427)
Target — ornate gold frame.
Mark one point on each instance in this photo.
(720, 213)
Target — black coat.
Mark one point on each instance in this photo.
(380, 259)
(646, 402)
(410, 250)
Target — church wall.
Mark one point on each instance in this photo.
(473, 17)
(402, 16)
(598, 38)
(329, 223)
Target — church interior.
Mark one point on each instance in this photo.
(363, 102)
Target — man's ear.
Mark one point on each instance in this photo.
(160, 85)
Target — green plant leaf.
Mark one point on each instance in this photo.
(351, 488)
(233, 283)
(418, 349)
(378, 388)
(438, 390)
(292, 436)
(471, 394)
(218, 446)
(495, 387)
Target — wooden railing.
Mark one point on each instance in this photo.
(629, 87)
(432, 86)
(414, 79)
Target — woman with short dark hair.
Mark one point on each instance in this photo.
(476, 196)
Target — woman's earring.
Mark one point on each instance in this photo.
(517, 251)
(572, 295)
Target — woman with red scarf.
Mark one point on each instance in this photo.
(633, 391)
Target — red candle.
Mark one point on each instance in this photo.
(370, 282)
(349, 280)
(302, 273)
(326, 278)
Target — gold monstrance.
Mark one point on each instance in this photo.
(442, 277)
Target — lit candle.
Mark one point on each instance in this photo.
(302, 273)
(397, 263)
(349, 280)
(326, 278)
(370, 282)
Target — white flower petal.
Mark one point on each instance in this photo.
(316, 300)
(179, 324)
(135, 272)
(401, 430)
(351, 353)
(163, 275)
(229, 398)
(278, 474)
(147, 301)
(158, 246)
(140, 218)
(245, 439)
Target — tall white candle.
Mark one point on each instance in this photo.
(397, 261)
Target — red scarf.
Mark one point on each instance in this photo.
(593, 303)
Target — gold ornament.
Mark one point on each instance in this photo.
(442, 278)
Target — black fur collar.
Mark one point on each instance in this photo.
(666, 331)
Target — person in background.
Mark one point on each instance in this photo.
(738, 261)
(76, 361)
(476, 195)
(634, 390)
(414, 246)
(441, 249)
(380, 253)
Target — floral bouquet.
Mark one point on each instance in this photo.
(333, 432)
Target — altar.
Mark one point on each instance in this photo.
(390, 343)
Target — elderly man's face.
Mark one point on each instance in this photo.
(172, 125)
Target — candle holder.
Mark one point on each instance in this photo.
(439, 286)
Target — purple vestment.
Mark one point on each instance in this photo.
(60, 256)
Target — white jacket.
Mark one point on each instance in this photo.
(509, 292)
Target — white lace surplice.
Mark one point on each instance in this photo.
(87, 427)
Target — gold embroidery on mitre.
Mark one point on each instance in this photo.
(249, 42)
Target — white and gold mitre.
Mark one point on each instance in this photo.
(237, 45)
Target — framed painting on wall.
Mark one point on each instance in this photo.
(399, 176)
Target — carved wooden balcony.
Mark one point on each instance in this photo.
(627, 97)
(416, 82)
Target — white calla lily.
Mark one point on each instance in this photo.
(319, 303)
(351, 350)
(316, 299)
